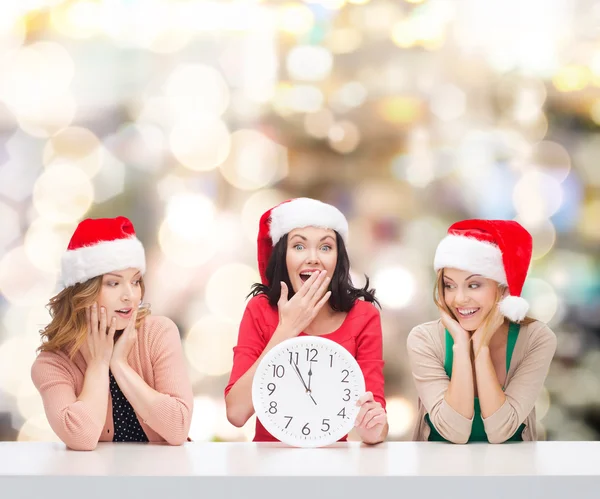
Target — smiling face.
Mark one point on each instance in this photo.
(120, 294)
(469, 296)
(310, 249)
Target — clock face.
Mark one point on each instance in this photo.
(305, 391)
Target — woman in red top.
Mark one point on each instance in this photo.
(306, 290)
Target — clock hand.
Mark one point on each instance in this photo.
(309, 375)
(297, 370)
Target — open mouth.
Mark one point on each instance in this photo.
(466, 313)
(305, 274)
(124, 312)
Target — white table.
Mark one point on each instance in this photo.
(245, 470)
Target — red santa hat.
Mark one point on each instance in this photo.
(99, 246)
(295, 214)
(496, 249)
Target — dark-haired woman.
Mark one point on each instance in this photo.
(306, 290)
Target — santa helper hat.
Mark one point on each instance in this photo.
(295, 214)
(99, 246)
(496, 249)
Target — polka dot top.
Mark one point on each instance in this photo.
(127, 426)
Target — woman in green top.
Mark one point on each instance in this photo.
(481, 265)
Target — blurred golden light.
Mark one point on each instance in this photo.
(542, 404)
(77, 19)
(552, 157)
(194, 89)
(571, 78)
(13, 30)
(255, 161)
(29, 401)
(359, 2)
(297, 98)
(543, 234)
(351, 94)
(395, 287)
(45, 243)
(309, 63)
(200, 143)
(170, 185)
(16, 358)
(35, 87)
(404, 34)
(21, 282)
(186, 249)
(401, 110)
(142, 146)
(344, 40)
(78, 147)
(209, 345)
(296, 19)
(227, 288)
(37, 429)
(589, 221)
(542, 299)
(110, 180)
(11, 227)
(62, 194)
(329, 4)
(255, 206)
(318, 124)
(595, 112)
(204, 419)
(401, 416)
(536, 197)
(344, 137)
(448, 102)
(43, 119)
(190, 215)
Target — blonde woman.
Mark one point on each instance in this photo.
(479, 368)
(107, 369)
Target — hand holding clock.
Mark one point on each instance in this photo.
(371, 421)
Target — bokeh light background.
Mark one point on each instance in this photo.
(192, 117)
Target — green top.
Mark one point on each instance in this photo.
(478, 430)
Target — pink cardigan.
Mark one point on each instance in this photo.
(156, 356)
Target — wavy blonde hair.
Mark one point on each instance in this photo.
(69, 328)
(438, 298)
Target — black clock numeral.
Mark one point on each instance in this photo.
(325, 425)
(313, 352)
(305, 430)
(273, 407)
(345, 378)
(278, 371)
(330, 360)
(271, 387)
(347, 396)
(342, 413)
(292, 357)
(290, 420)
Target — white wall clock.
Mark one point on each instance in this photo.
(305, 391)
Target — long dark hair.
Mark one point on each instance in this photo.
(343, 293)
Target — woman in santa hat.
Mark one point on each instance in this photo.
(107, 369)
(480, 368)
(306, 290)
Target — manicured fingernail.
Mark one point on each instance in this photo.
(95, 306)
(113, 320)
(102, 309)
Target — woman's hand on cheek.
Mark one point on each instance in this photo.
(125, 343)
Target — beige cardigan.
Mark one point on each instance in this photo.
(529, 366)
